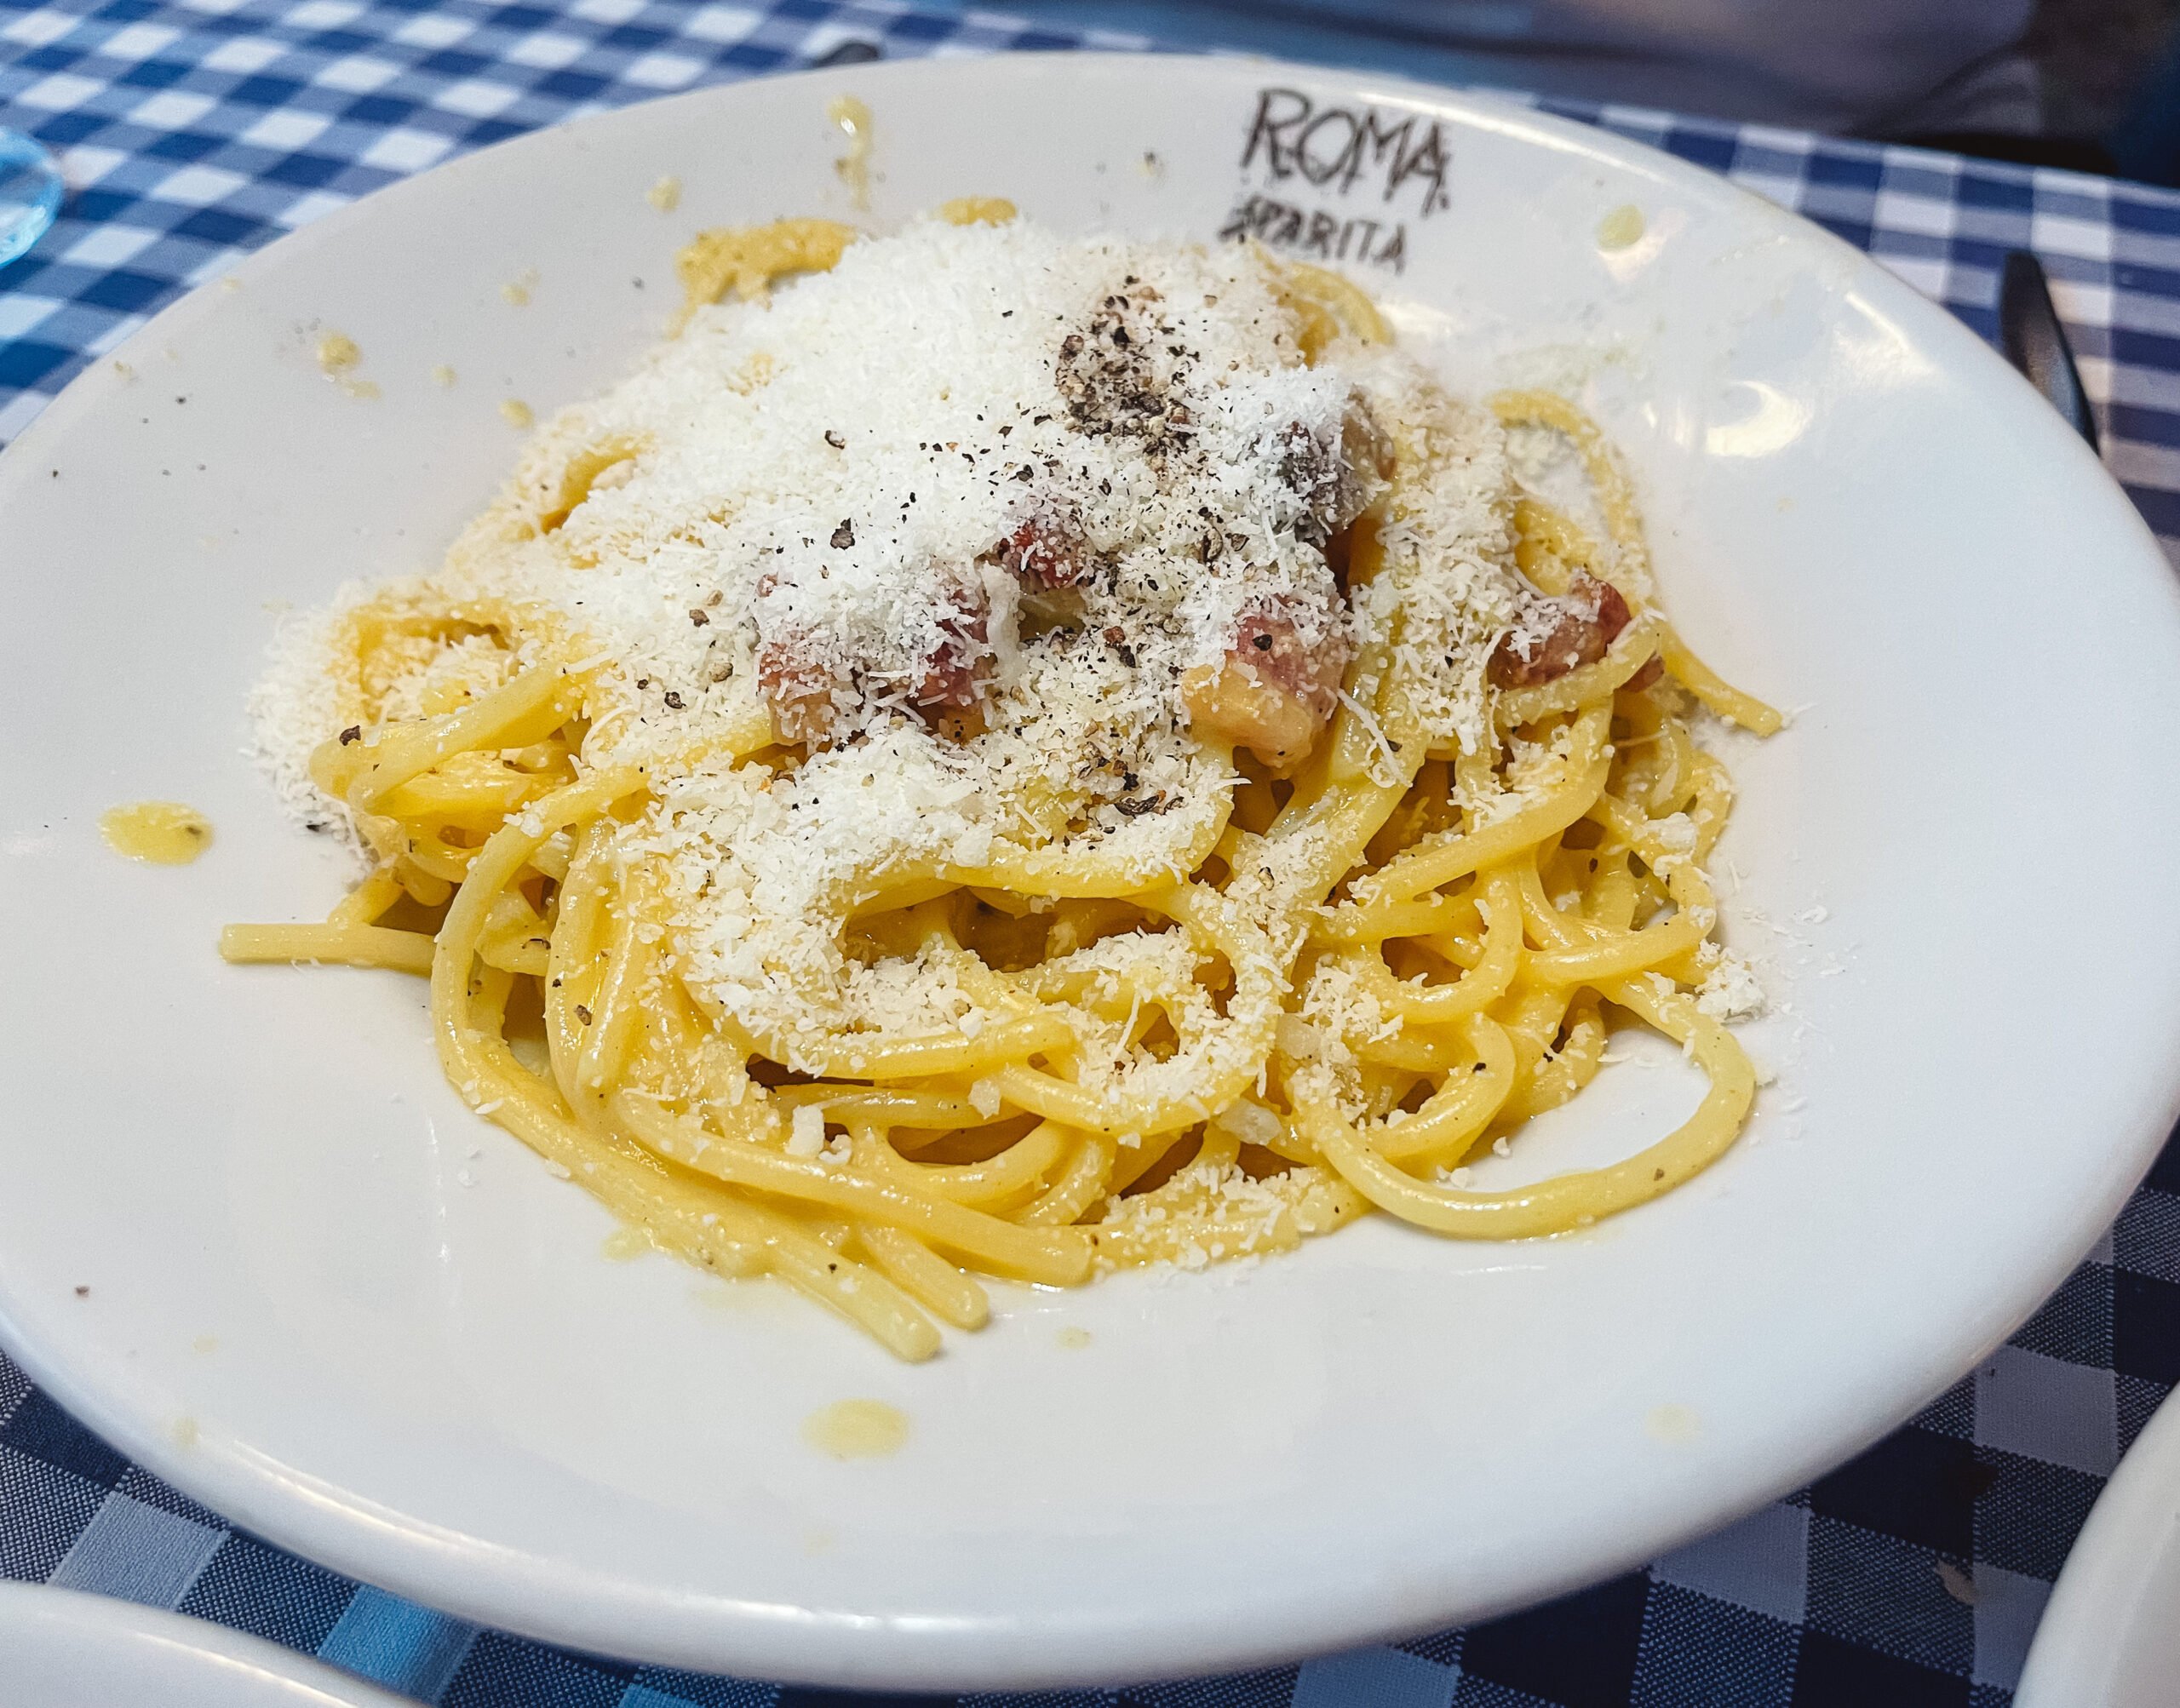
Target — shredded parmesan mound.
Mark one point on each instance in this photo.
(825, 482)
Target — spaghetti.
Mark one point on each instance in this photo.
(1015, 756)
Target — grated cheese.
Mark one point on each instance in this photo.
(807, 1132)
(1729, 990)
(828, 474)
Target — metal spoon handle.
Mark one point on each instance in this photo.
(2036, 343)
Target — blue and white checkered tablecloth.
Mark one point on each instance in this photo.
(194, 130)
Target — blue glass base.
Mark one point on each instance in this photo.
(30, 189)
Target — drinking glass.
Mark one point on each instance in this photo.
(30, 192)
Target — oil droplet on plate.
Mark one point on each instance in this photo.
(665, 195)
(444, 375)
(337, 353)
(977, 210)
(517, 414)
(1677, 1425)
(164, 832)
(857, 1429)
(623, 1245)
(853, 118)
(184, 1431)
(1073, 1339)
(1621, 228)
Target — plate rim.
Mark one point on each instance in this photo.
(103, 1618)
(2097, 1607)
(499, 1587)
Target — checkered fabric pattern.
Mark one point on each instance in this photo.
(1915, 1574)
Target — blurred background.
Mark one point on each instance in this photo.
(2088, 83)
(2111, 73)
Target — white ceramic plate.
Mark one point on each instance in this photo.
(327, 1301)
(61, 1649)
(2108, 1637)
